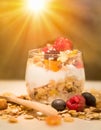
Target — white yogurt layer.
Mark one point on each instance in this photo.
(39, 76)
(73, 71)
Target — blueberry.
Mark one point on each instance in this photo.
(90, 99)
(59, 104)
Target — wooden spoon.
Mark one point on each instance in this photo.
(45, 109)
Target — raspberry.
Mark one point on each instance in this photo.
(62, 44)
(76, 102)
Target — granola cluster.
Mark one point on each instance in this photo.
(62, 89)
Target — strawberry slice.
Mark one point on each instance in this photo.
(63, 44)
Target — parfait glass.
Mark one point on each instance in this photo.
(54, 75)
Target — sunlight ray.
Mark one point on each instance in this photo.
(56, 20)
(10, 13)
(23, 27)
(12, 48)
(49, 26)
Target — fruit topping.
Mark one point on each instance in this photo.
(89, 98)
(52, 65)
(59, 104)
(76, 102)
(47, 47)
(50, 58)
(53, 120)
(62, 44)
(51, 54)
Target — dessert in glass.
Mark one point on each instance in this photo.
(54, 71)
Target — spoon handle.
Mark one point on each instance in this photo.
(45, 109)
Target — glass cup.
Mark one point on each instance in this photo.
(54, 75)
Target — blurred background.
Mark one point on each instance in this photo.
(22, 29)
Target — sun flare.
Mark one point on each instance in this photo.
(36, 5)
(32, 21)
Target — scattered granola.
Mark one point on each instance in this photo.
(12, 120)
(68, 119)
(28, 117)
(3, 104)
(12, 111)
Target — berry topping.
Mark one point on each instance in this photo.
(59, 104)
(62, 44)
(46, 48)
(76, 102)
(90, 99)
(51, 54)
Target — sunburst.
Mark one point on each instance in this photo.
(31, 27)
(36, 5)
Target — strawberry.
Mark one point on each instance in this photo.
(62, 44)
(76, 102)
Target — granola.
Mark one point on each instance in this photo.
(13, 111)
(62, 89)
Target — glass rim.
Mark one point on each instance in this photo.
(34, 51)
(38, 51)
